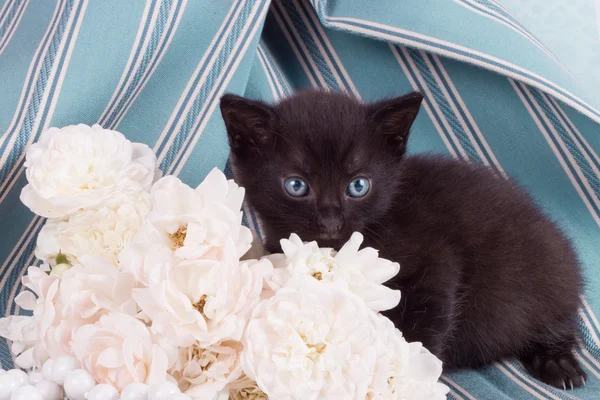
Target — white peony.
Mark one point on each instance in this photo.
(204, 372)
(188, 224)
(78, 167)
(204, 301)
(311, 340)
(404, 370)
(119, 350)
(102, 231)
(245, 389)
(362, 271)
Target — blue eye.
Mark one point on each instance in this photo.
(358, 187)
(296, 187)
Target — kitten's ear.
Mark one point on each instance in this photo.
(393, 118)
(248, 123)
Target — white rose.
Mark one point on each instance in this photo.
(78, 167)
(245, 389)
(119, 350)
(362, 271)
(188, 224)
(404, 370)
(311, 340)
(102, 231)
(204, 301)
(204, 372)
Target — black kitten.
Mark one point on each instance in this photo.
(484, 273)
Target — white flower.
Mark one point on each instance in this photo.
(22, 332)
(188, 224)
(245, 389)
(81, 296)
(204, 372)
(204, 301)
(119, 350)
(362, 271)
(102, 231)
(311, 340)
(404, 370)
(78, 167)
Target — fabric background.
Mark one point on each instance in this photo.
(495, 93)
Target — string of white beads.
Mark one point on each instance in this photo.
(63, 378)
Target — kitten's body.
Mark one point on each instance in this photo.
(484, 274)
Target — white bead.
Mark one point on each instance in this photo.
(20, 376)
(135, 391)
(47, 370)
(103, 392)
(161, 391)
(62, 366)
(35, 377)
(26, 392)
(50, 390)
(8, 384)
(178, 396)
(78, 383)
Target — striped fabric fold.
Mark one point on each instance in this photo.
(495, 94)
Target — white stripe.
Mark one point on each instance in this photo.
(292, 28)
(425, 103)
(156, 59)
(334, 54)
(588, 325)
(459, 388)
(566, 121)
(455, 395)
(317, 40)
(556, 153)
(346, 23)
(274, 90)
(134, 48)
(274, 67)
(453, 107)
(10, 31)
(520, 383)
(32, 75)
(4, 11)
(592, 315)
(588, 355)
(17, 252)
(266, 63)
(222, 81)
(218, 39)
(9, 183)
(534, 383)
(309, 75)
(563, 146)
(468, 114)
(433, 102)
(483, 10)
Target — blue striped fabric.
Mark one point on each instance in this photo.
(155, 69)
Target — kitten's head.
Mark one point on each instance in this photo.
(319, 164)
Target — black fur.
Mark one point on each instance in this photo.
(484, 273)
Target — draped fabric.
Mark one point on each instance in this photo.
(155, 70)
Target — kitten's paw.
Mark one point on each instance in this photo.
(559, 369)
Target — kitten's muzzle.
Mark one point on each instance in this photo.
(330, 226)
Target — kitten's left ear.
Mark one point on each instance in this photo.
(248, 123)
(393, 118)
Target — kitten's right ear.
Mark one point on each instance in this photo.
(249, 123)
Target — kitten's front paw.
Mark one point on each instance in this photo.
(558, 369)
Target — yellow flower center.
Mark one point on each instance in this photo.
(199, 305)
(178, 237)
(318, 276)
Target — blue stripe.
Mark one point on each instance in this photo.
(33, 109)
(278, 75)
(483, 59)
(311, 45)
(181, 144)
(209, 54)
(133, 62)
(11, 22)
(421, 89)
(155, 60)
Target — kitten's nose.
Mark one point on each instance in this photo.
(330, 224)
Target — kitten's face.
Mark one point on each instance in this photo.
(321, 165)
